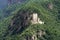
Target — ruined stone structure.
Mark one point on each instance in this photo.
(36, 19)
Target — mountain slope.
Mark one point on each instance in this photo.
(7, 11)
(49, 16)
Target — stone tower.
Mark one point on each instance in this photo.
(36, 19)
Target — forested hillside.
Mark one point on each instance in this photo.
(9, 6)
(16, 23)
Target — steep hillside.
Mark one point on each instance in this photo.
(15, 27)
(7, 11)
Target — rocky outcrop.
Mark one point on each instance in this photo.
(37, 35)
(33, 37)
(40, 33)
(50, 6)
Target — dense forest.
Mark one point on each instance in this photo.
(16, 16)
